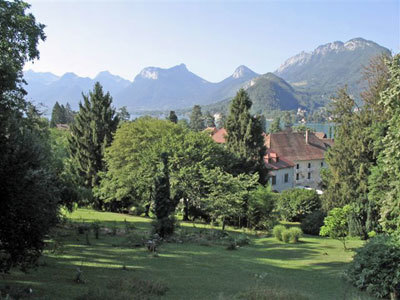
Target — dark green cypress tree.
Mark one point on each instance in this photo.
(173, 117)
(91, 133)
(69, 114)
(164, 206)
(245, 135)
(196, 119)
(56, 115)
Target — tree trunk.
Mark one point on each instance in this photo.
(186, 210)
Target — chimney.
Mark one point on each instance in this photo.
(307, 136)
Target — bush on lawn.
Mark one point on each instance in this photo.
(295, 234)
(312, 223)
(277, 231)
(286, 235)
(283, 234)
(376, 267)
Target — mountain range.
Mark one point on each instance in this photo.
(306, 80)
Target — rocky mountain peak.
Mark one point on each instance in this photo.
(242, 71)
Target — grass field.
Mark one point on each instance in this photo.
(198, 267)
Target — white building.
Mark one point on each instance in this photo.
(304, 150)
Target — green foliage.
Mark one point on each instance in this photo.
(227, 195)
(275, 125)
(172, 117)
(295, 204)
(61, 115)
(134, 155)
(336, 224)
(261, 205)
(386, 179)
(295, 234)
(209, 120)
(313, 222)
(164, 206)
(29, 193)
(91, 132)
(353, 176)
(288, 119)
(302, 128)
(123, 114)
(245, 138)
(277, 231)
(196, 119)
(376, 267)
(287, 235)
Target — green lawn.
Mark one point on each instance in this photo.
(191, 270)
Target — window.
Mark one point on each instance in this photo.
(286, 177)
(297, 166)
(297, 176)
(273, 180)
(309, 165)
(322, 163)
(309, 175)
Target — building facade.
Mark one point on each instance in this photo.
(294, 159)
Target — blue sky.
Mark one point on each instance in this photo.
(211, 37)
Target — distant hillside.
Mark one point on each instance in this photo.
(329, 67)
(268, 93)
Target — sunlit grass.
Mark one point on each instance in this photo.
(312, 268)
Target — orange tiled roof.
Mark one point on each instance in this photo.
(293, 147)
(219, 136)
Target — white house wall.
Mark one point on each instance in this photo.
(280, 184)
(303, 170)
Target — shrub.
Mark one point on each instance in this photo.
(295, 234)
(295, 204)
(376, 267)
(277, 231)
(312, 223)
(336, 224)
(260, 208)
(242, 240)
(286, 236)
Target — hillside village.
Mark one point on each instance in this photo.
(294, 159)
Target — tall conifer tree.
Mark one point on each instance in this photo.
(196, 119)
(91, 133)
(245, 135)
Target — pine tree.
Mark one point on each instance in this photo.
(164, 206)
(69, 114)
(123, 114)
(196, 119)
(91, 133)
(57, 115)
(245, 135)
(173, 117)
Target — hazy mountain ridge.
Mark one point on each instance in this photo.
(329, 67)
(306, 80)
